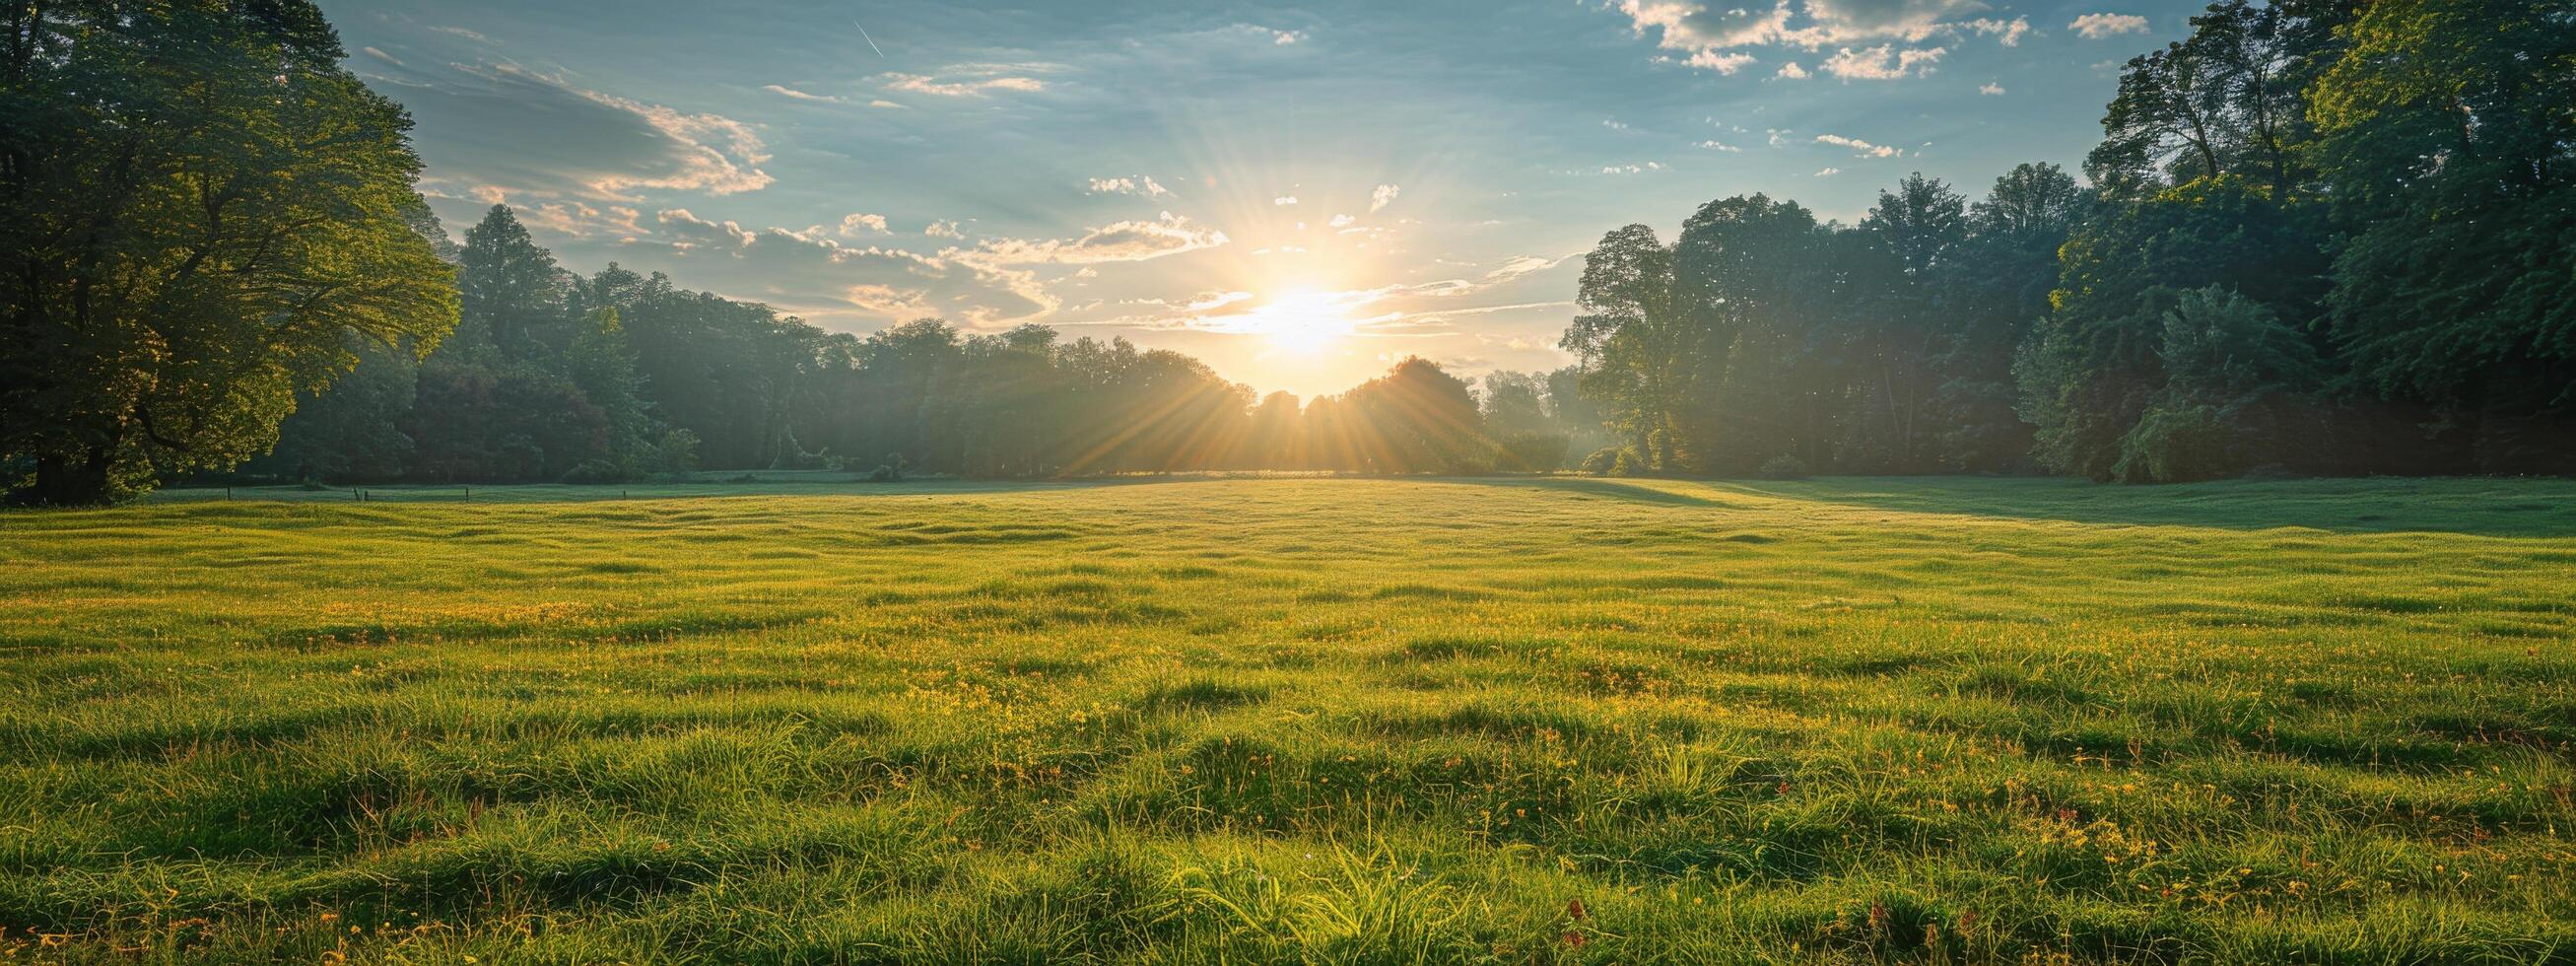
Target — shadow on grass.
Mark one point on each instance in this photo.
(2483, 506)
(1631, 491)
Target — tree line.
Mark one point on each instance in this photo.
(552, 376)
(2319, 236)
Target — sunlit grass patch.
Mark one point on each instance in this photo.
(1300, 719)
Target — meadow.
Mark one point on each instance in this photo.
(1284, 719)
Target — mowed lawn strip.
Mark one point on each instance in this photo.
(1279, 719)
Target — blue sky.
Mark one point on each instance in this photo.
(1299, 194)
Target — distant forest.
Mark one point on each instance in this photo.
(2318, 238)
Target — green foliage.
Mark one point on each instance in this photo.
(1601, 461)
(1532, 452)
(1626, 461)
(2093, 368)
(1876, 720)
(1784, 467)
(2446, 130)
(2226, 358)
(201, 208)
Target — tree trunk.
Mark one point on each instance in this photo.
(63, 481)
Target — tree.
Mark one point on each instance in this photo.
(2229, 362)
(512, 293)
(198, 208)
(2226, 100)
(1749, 273)
(1527, 437)
(2092, 369)
(1417, 419)
(2449, 131)
(1997, 287)
(1633, 345)
(1894, 321)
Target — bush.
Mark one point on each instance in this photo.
(1629, 463)
(1533, 452)
(1597, 462)
(1784, 467)
(595, 471)
(2181, 444)
(674, 455)
(890, 471)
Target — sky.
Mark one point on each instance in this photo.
(1300, 194)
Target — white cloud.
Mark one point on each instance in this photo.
(381, 55)
(1126, 241)
(1614, 124)
(792, 93)
(2095, 26)
(1285, 37)
(1721, 146)
(968, 80)
(1990, 89)
(1284, 200)
(944, 229)
(1708, 30)
(1140, 185)
(1383, 196)
(1632, 168)
(1340, 221)
(462, 32)
(1726, 64)
(1828, 172)
(1860, 148)
(2007, 32)
(1883, 62)
(855, 225)
(1792, 71)
(690, 231)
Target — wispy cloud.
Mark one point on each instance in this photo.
(794, 94)
(1126, 241)
(1383, 196)
(863, 224)
(970, 80)
(1860, 148)
(1521, 265)
(656, 147)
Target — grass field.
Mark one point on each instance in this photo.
(1278, 719)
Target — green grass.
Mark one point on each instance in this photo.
(1281, 719)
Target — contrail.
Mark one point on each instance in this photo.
(863, 35)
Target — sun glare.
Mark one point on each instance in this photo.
(1301, 322)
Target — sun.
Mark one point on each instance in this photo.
(1301, 321)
